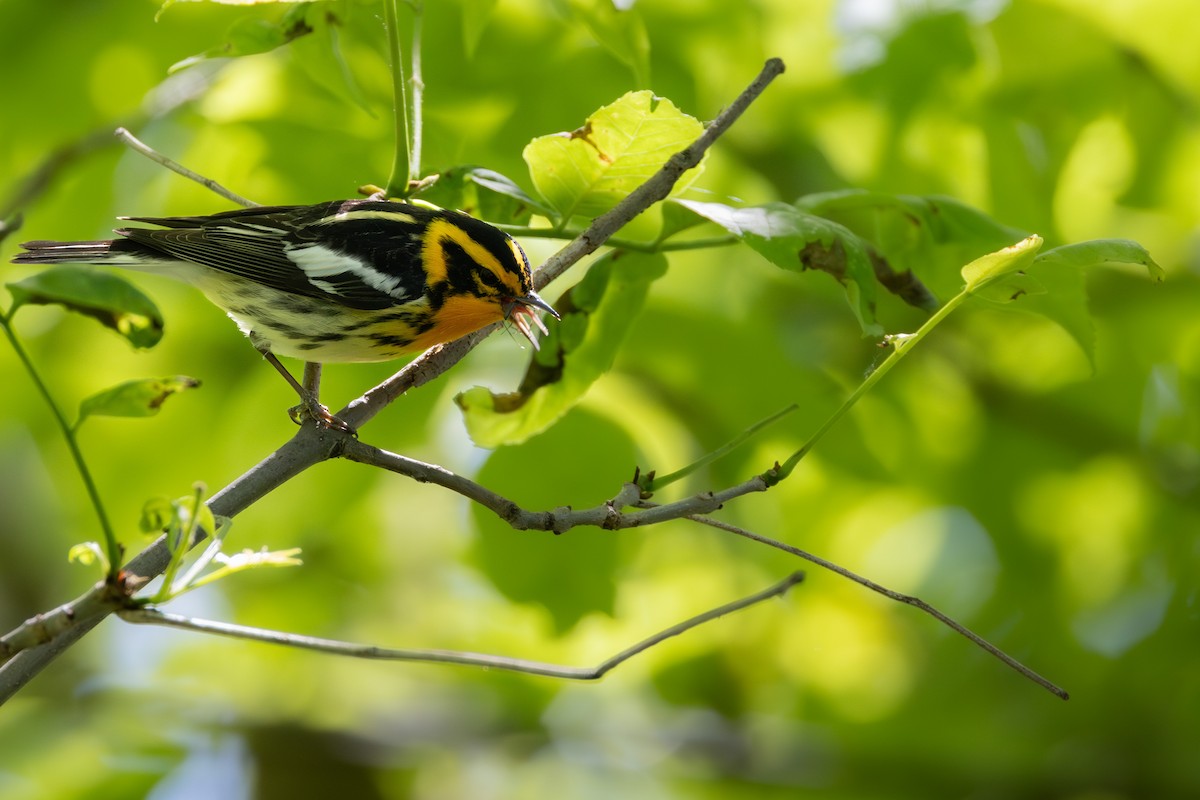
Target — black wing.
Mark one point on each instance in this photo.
(371, 260)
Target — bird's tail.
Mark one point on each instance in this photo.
(116, 252)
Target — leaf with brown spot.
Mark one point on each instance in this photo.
(137, 398)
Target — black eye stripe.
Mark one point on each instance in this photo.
(489, 279)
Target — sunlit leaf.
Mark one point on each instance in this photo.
(588, 171)
(993, 266)
(596, 315)
(113, 301)
(88, 553)
(136, 398)
(795, 240)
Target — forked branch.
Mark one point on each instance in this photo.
(526, 666)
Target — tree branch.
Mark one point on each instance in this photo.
(609, 515)
(149, 616)
(915, 602)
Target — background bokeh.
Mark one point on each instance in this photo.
(1048, 502)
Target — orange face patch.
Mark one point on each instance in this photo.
(458, 317)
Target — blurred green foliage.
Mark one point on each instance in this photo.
(1045, 498)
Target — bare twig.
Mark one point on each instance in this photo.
(891, 595)
(156, 617)
(610, 515)
(208, 183)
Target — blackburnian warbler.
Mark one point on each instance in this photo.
(352, 280)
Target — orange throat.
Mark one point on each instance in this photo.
(458, 317)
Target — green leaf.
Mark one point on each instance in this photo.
(157, 515)
(993, 266)
(676, 219)
(88, 553)
(547, 472)
(168, 3)
(1053, 284)
(590, 170)
(1098, 252)
(930, 235)
(943, 219)
(136, 398)
(596, 316)
(795, 240)
(113, 301)
(484, 193)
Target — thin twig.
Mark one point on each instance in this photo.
(609, 515)
(525, 666)
(208, 183)
(891, 595)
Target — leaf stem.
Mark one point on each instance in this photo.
(111, 546)
(901, 347)
(665, 480)
(418, 93)
(403, 161)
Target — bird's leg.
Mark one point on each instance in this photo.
(310, 403)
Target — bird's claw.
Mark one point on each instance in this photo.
(313, 410)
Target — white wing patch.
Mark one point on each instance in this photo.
(317, 261)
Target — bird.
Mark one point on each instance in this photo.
(339, 281)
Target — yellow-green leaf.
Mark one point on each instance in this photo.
(588, 171)
(992, 266)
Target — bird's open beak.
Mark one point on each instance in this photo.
(521, 313)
